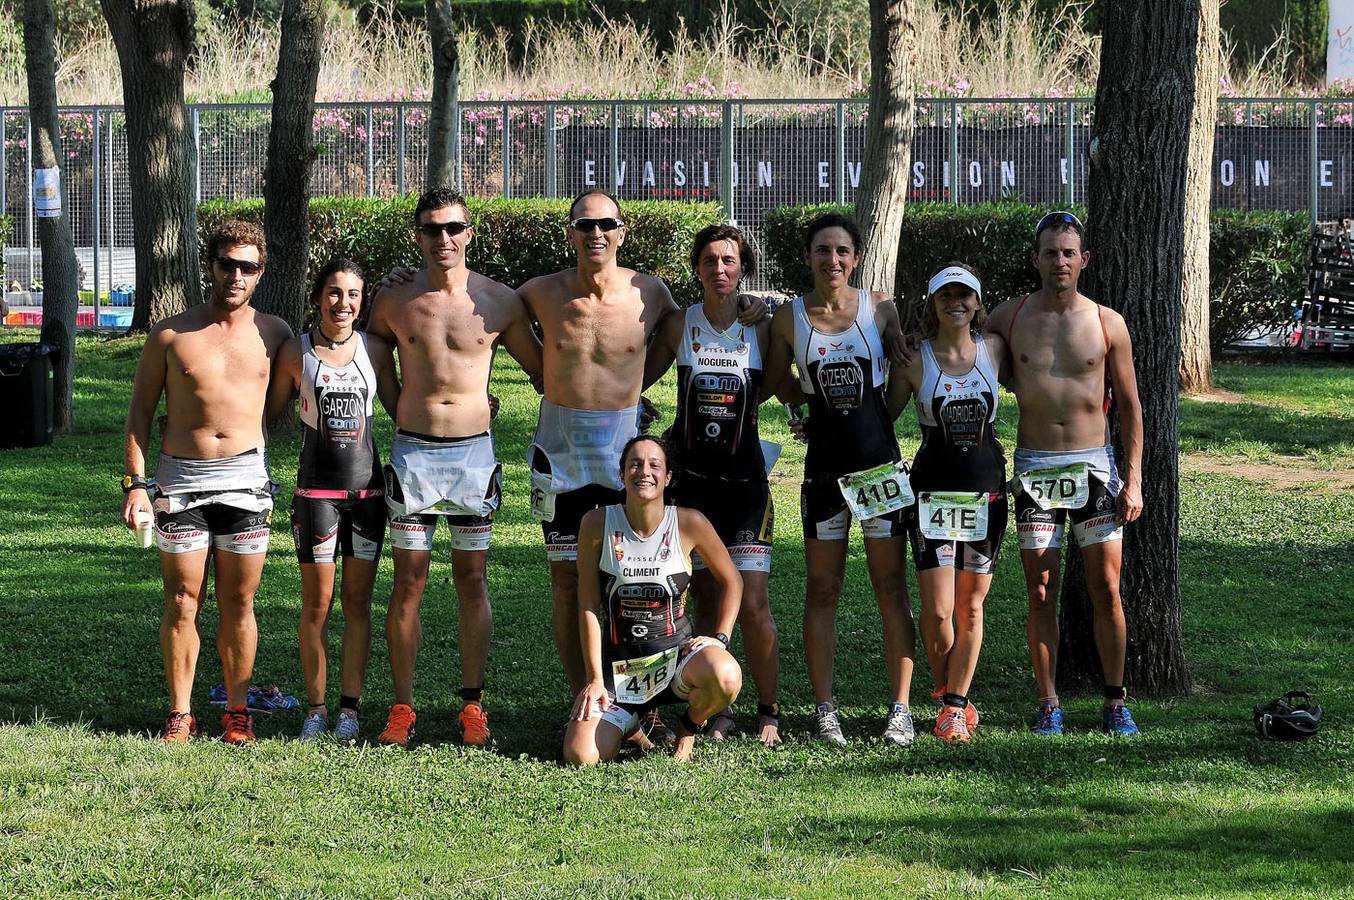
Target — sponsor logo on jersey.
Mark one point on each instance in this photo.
(695, 347)
(712, 429)
(324, 378)
(617, 546)
(639, 631)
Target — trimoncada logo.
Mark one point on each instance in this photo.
(1263, 167)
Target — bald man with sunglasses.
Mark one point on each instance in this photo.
(446, 322)
(212, 499)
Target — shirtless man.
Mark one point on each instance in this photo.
(211, 497)
(596, 319)
(446, 321)
(1066, 355)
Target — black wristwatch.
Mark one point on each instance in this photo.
(134, 483)
(722, 638)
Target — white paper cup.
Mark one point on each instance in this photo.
(145, 529)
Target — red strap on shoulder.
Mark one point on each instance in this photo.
(1011, 325)
(1104, 332)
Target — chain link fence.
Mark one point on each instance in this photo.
(747, 155)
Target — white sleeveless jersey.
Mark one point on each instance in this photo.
(718, 378)
(644, 582)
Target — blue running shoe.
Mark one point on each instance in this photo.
(1050, 721)
(1118, 720)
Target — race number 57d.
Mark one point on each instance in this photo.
(1065, 487)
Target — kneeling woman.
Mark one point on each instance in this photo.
(634, 565)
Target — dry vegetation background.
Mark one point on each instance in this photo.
(821, 50)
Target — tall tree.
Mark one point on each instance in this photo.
(444, 158)
(291, 151)
(1139, 152)
(60, 278)
(154, 39)
(1196, 357)
(888, 141)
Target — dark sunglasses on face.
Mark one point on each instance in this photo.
(1057, 217)
(243, 266)
(433, 229)
(605, 224)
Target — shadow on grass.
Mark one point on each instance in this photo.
(1205, 426)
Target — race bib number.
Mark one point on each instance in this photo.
(877, 492)
(640, 680)
(1066, 487)
(953, 517)
(542, 501)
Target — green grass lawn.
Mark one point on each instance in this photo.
(90, 805)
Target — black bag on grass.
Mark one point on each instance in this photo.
(1289, 718)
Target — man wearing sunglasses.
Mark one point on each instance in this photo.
(211, 497)
(447, 322)
(1068, 356)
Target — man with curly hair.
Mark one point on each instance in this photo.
(211, 499)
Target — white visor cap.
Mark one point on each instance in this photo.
(954, 275)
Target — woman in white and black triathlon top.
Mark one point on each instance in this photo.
(338, 509)
(959, 477)
(634, 564)
(718, 462)
(832, 334)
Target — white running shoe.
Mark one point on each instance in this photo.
(315, 726)
(899, 729)
(346, 730)
(826, 726)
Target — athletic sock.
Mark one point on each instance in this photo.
(346, 702)
(900, 707)
(958, 700)
(472, 695)
(1115, 694)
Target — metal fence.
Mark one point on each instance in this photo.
(748, 155)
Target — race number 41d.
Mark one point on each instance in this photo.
(1067, 487)
(877, 492)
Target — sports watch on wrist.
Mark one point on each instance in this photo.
(133, 483)
(722, 638)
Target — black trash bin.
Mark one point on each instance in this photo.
(25, 395)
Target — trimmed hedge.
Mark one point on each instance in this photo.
(515, 240)
(1257, 260)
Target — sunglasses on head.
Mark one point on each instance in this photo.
(243, 266)
(606, 223)
(1058, 217)
(433, 229)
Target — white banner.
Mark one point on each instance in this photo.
(1340, 42)
(47, 193)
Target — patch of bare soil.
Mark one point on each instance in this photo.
(1221, 396)
(1289, 473)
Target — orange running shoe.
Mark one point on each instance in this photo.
(970, 711)
(937, 694)
(399, 726)
(952, 726)
(237, 726)
(179, 728)
(474, 725)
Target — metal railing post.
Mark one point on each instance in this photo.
(1316, 163)
(614, 175)
(841, 152)
(4, 167)
(1069, 151)
(371, 154)
(112, 234)
(197, 155)
(98, 174)
(726, 144)
(399, 161)
(551, 188)
(507, 151)
(954, 151)
(28, 204)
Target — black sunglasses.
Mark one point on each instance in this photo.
(607, 223)
(433, 229)
(243, 266)
(1057, 217)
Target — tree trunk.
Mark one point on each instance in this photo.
(444, 158)
(1139, 152)
(1196, 358)
(888, 142)
(154, 39)
(60, 281)
(286, 191)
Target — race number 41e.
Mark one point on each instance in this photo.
(877, 492)
(1066, 487)
(953, 517)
